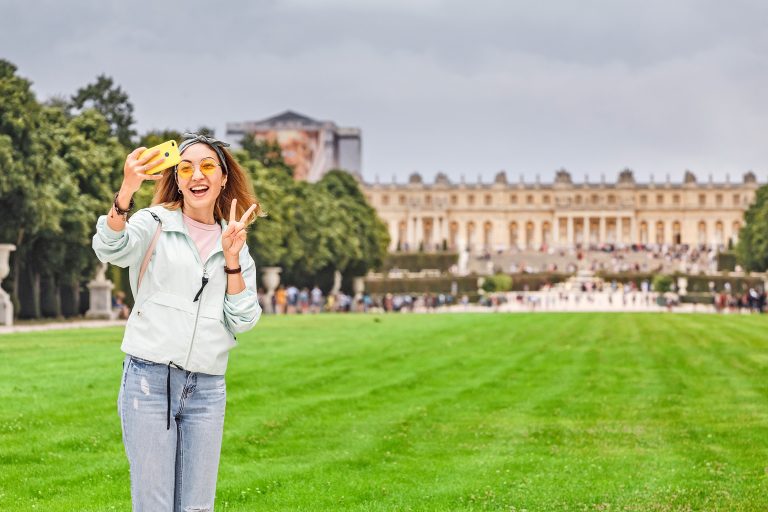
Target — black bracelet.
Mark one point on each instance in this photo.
(232, 270)
(119, 210)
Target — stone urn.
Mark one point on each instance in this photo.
(6, 305)
(271, 279)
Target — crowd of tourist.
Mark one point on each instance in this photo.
(292, 300)
(613, 295)
(612, 258)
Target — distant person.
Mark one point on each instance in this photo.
(120, 308)
(281, 300)
(293, 299)
(304, 301)
(317, 299)
(199, 290)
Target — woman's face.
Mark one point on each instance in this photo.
(200, 191)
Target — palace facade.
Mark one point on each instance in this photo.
(499, 216)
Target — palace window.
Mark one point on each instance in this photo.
(702, 199)
(529, 199)
(401, 199)
(736, 199)
(719, 199)
(471, 199)
(659, 199)
(611, 199)
(385, 199)
(454, 199)
(578, 199)
(676, 199)
(488, 199)
(513, 198)
(594, 199)
(545, 199)
(428, 199)
(643, 200)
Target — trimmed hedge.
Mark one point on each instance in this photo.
(726, 261)
(534, 282)
(697, 298)
(696, 283)
(467, 284)
(416, 261)
(738, 284)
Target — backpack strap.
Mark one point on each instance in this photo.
(150, 250)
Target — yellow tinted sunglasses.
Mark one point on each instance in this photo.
(186, 169)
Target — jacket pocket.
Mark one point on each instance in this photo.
(162, 325)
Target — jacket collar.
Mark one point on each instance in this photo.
(173, 220)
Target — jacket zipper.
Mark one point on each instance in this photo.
(197, 299)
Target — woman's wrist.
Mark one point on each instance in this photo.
(124, 197)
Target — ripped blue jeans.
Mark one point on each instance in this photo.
(172, 469)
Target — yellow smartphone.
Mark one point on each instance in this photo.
(168, 150)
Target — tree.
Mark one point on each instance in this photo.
(314, 229)
(267, 152)
(155, 137)
(368, 237)
(752, 248)
(29, 179)
(112, 102)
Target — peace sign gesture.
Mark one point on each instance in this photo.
(233, 238)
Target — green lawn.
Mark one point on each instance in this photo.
(423, 412)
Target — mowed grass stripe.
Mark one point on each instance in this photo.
(423, 412)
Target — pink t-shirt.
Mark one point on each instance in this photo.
(204, 235)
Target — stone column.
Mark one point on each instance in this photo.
(537, 238)
(603, 231)
(419, 232)
(634, 235)
(443, 231)
(556, 231)
(585, 232)
(394, 234)
(569, 231)
(409, 232)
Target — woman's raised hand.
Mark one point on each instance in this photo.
(233, 238)
(135, 168)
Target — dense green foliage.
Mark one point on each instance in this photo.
(662, 283)
(62, 161)
(539, 412)
(752, 249)
(497, 283)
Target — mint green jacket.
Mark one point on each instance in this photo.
(166, 323)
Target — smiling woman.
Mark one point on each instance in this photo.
(198, 292)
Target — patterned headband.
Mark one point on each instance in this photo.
(215, 144)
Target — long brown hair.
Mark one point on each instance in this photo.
(238, 187)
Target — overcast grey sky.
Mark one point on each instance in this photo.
(468, 88)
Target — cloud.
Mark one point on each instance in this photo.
(464, 88)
